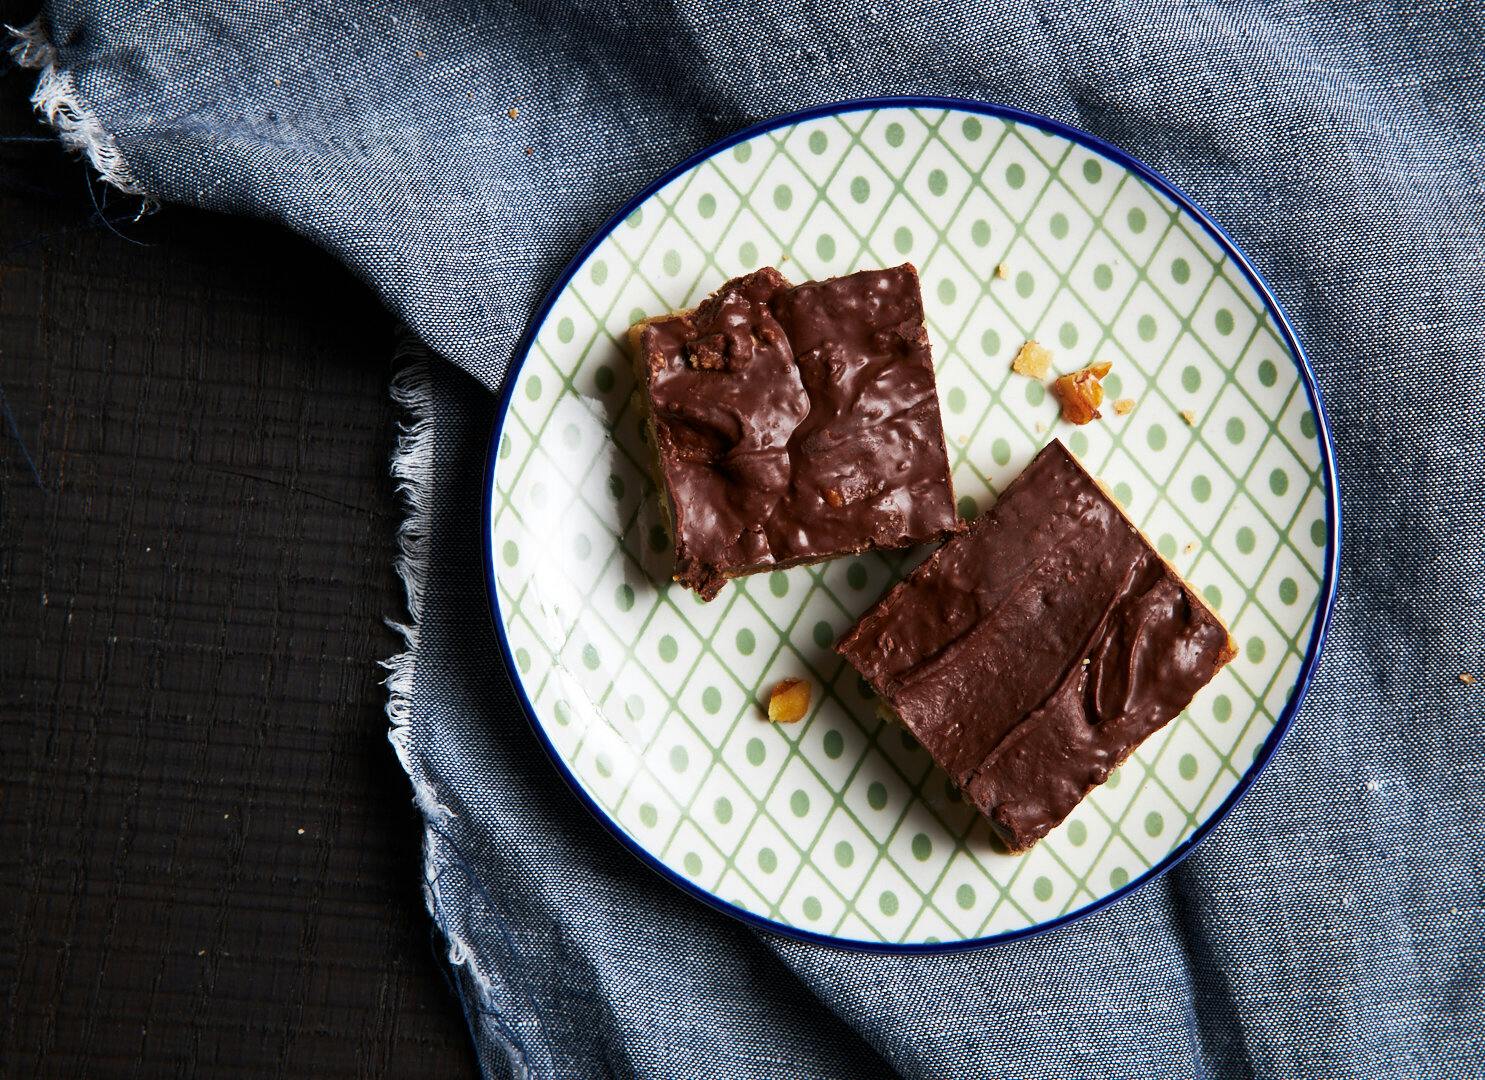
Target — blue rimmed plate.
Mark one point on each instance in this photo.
(839, 828)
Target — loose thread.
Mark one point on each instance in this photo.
(15, 433)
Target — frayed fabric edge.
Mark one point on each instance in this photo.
(412, 461)
(57, 99)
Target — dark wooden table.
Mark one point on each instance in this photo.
(208, 854)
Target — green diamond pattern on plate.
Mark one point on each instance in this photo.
(840, 825)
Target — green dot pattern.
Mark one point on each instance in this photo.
(840, 822)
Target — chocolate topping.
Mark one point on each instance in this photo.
(796, 424)
(1031, 655)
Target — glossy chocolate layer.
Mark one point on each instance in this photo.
(1031, 655)
(794, 424)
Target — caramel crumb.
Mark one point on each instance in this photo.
(834, 498)
(1466, 678)
(1190, 547)
(784, 258)
(1124, 406)
(1032, 360)
(789, 701)
(513, 112)
(1081, 393)
(1188, 416)
(1001, 273)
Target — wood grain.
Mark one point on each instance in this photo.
(208, 855)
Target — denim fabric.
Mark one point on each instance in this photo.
(1335, 924)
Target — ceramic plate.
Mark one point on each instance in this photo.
(650, 702)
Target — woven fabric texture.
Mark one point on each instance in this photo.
(1334, 924)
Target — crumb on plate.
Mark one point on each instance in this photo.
(1032, 360)
(1080, 393)
(789, 701)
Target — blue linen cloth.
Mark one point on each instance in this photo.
(1334, 925)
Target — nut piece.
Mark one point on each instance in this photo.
(1467, 678)
(1001, 273)
(789, 701)
(1124, 406)
(1032, 360)
(1081, 393)
(1188, 416)
(708, 353)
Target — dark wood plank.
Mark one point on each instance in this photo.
(208, 857)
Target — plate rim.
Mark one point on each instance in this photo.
(1325, 600)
